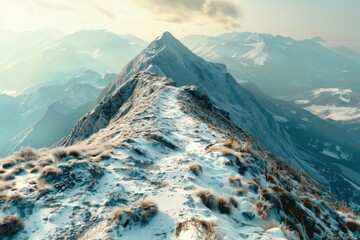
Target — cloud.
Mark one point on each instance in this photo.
(224, 12)
(54, 6)
(92, 4)
(103, 11)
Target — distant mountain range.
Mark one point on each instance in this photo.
(279, 66)
(32, 58)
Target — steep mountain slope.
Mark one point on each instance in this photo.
(44, 115)
(166, 56)
(42, 56)
(339, 106)
(166, 165)
(277, 65)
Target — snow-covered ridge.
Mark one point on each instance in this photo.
(169, 165)
(167, 57)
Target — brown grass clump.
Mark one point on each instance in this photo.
(150, 210)
(245, 147)
(60, 153)
(45, 162)
(117, 214)
(10, 225)
(224, 150)
(207, 198)
(27, 154)
(18, 170)
(262, 208)
(74, 152)
(6, 164)
(8, 177)
(15, 198)
(224, 206)
(205, 228)
(342, 207)
(242, 191)
(308, 203)
(195, 168)
(35, 170)
(353, 226)
(5, 185)
(104, 155)
(2, 171)
(235, 180)
(269, 225)
(233, 202)
(50, 170)
(277, 188)
(265, 191)
(287, 232)
(252, 185)
(30, 165)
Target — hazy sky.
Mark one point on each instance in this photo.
(337, 21)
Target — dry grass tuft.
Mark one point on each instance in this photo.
(233, 202)
(18, 170)
(252, 185)
(107, 154)
(27, 154)
(245, 147)
(242, 191)
(308, 203)
(205, 228)
(207, 198)
(150, 210)
(353, 225)
(5, 185)
(59, 153)
(50, 170)
(35, 170)
(15, 198)
(117, 214)
(195, 168)
(262, 208)
(8, 163)
(287, 232)
(277, 188)
(342, 207)
(269, 225)
(224, 150)
(235, 180)
(224, 206)
(10, 225)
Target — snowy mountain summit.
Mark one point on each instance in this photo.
(163, 155)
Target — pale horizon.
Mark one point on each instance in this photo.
(140, 18)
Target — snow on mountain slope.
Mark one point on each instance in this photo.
(277, 65)
(169, 165)
(166, 56)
